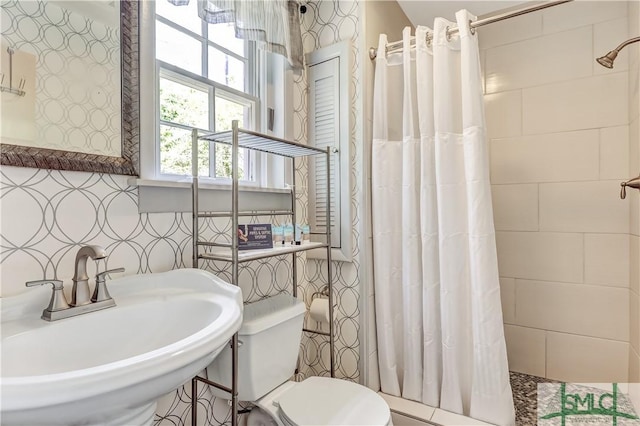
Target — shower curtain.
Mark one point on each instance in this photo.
(438, 311)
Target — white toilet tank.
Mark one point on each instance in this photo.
(270, 335)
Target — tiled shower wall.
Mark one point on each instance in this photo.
(634, 197)
(559, 129)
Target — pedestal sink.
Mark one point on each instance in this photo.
(110, 366)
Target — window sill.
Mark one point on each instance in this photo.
(168, 196)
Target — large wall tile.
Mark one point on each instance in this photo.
(634, 263)
(573, 308)
(503, 114)
(515, 207)
(633, 12)
(585, 359)
(525, 350)
(584, 103)
(606, 259)
(634, 142)
(580, 13)
(614, 152)
(583, 207)
(541, 255)
(510, 30)
(634, 69)
(634, 366)
(508, 298)
(633, 198)
(634, 320)
(540, 60)
(553, 157)
(634, 90)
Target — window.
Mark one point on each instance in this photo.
(205, 79)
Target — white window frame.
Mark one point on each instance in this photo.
(253, 162)
(274, 86)
(266, 174)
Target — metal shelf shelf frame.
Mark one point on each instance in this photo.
(240, 138)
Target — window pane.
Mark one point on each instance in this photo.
(225, 35)
(226, 69)
(226, 111)
(175, 152)
(223, 162)
(177, 48)
(186, 16)
(183, 104)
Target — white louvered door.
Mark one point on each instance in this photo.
(324, 131)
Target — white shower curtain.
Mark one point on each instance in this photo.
(438, 311)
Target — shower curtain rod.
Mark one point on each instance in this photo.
(397, 45)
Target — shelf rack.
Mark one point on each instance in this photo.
(240, 138)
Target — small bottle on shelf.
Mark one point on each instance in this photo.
(288, 234)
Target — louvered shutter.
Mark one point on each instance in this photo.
(324, 131)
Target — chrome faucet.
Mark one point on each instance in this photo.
(81, 302)
(80, 292)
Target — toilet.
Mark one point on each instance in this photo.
(269, 341)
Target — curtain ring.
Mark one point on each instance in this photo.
(447, 35)
(429, 38)
(472, 30)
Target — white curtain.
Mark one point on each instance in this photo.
(438, 311)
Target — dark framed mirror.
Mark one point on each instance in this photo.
(128, 161)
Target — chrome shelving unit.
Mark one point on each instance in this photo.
(240, 138)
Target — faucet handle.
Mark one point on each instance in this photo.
(58, 300)
(102, 275)
(101, 293)
(57, 284)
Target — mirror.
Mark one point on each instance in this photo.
(114, 114)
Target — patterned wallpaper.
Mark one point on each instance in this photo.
(47, 215)
(325, 23)
(77, 102)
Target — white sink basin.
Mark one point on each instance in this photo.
(110, 366)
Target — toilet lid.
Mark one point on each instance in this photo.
(327, 401)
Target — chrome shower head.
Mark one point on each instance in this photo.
(607, 60)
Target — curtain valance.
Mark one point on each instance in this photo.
(275, 24)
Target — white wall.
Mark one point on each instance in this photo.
(558, 125)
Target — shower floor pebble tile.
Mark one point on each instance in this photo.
(525, 397)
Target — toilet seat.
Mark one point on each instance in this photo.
(327, 401)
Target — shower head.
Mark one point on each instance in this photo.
(607, 60)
